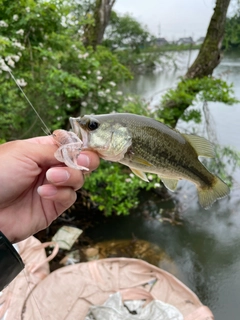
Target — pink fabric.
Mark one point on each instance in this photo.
(68, 292)
(36, 269)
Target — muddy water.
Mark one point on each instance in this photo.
(206, 247)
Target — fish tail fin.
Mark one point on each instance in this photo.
(208, 195)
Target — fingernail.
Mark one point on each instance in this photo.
(83, 160)
(47, 190)
(57, 175)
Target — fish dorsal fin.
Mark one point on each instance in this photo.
(203, 147)
(170, 184)
(140, 174)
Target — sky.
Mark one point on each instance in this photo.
(171, 19)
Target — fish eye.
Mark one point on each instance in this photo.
(93, 125)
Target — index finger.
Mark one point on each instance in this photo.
(42, 140)
(87, 159)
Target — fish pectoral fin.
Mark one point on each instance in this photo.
(202, 146)
(139, 160)
(140, 174)
(170, 184)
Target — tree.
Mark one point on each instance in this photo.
(40, 44)
(125, 32)
(127, 38)
(210, 52)
(232, 32)
(175, 102)
(99, 11)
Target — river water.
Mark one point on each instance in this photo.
(206, 247)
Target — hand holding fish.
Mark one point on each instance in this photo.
(35, 187)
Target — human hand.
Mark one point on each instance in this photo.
(35, 187)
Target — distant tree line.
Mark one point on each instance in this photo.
(232, 32)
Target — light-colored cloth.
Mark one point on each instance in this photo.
(69, 292)
(115, 309)
(13, 297)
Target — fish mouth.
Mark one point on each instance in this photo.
(75, 126)
(81, 133)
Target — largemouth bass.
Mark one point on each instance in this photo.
(148, 146)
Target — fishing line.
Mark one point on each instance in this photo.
(48, 132)
(38, 115)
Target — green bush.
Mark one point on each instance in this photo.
(175, 102)
(115, 189)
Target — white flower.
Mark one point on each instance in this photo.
(113, 84)
(157, 185)
(18, 45)
(107, 90)
(83, 56)
(40, 44)
(88, 72)
(95, 107)
(98, 72)
(84, 77)
(131, 175)
(59, 118)
(20, 31)
(128, 180)
(3, 24)
(21, 82)
(3, 65)
(68, 106)
(101, 94)
(84, 104)
(56, 107)
(119, 93)
(99, 78)
(15, 57)
(11, 63)
(44, 58)
(15, 17)
(150, 177)
(59, 65)
(28, 9)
